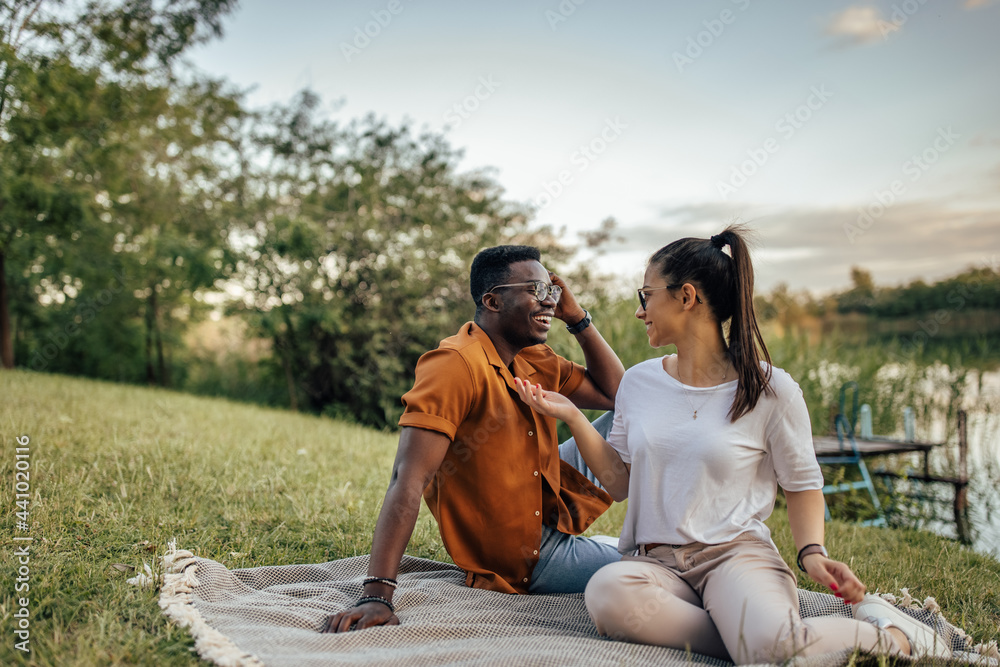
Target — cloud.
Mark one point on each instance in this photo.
(985, 139)
(860, 25)
(811, 248)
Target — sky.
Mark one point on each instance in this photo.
(843, 134)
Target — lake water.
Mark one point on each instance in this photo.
(980, 397)
(981, 400)
(934, 389)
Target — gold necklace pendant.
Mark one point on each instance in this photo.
(687, 394)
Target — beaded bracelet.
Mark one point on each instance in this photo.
(379, 580)
(375, 598)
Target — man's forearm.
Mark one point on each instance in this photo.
(603, 365)
(392, 533)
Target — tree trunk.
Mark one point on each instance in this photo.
(289, 351)
(150, 318)
(160, 364)
(6, 340)
(293, 399)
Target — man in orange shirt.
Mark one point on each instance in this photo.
(508, 507)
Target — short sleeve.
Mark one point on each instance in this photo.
(572, 375)
(617, 438)
(789, 440)
(567, 375)
(442, 395)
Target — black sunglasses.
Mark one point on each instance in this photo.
(642, 293)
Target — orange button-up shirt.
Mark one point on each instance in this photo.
(502, 477)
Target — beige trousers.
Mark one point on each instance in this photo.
(735, 601)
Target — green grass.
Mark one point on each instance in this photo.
(117, 471)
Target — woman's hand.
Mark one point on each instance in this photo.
(836, 576)
(805, 516)
(548, 403)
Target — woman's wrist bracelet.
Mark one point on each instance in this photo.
(809, 550)
(376, 598)
(380, 580)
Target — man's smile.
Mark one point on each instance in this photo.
(545, 319)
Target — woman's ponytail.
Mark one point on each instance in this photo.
(746, 344)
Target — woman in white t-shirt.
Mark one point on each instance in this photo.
(700, 442)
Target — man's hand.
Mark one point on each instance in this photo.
(368, 615)
(836, 576)
(567, 310)
(418, 457)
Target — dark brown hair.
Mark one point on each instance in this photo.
(727, 285)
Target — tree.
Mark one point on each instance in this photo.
(68, 81)
(171, 222)
(861, 296)
(357, 252)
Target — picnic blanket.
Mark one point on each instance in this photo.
(272, 616)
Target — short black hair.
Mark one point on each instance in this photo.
(491, 267)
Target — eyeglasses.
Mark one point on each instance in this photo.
(538, 288)
(643, 296)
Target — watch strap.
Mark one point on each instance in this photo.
(581, 325)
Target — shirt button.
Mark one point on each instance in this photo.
(531, 433)
(525, 580)
(537, 513)
(536, 473)
(536, 552)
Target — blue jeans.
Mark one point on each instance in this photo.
(566, 562)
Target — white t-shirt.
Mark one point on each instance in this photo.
(707, 479)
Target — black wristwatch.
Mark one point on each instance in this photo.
(581, 325)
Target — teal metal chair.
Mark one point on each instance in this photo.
(850, 456)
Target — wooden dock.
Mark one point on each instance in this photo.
(831, 446)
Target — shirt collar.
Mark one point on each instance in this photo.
(522, 369)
